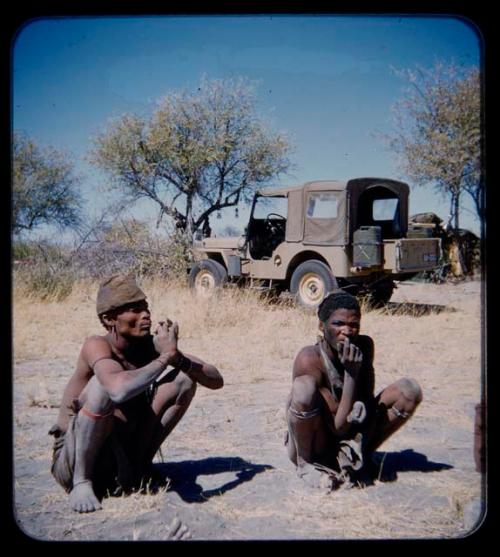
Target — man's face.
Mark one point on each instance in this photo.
(132, 320)
(342, 324)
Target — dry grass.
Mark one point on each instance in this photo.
(50, 330)
(253, 343)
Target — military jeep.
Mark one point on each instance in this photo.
(311, 239)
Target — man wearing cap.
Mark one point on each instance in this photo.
(119, 405)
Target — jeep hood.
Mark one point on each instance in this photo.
(224, 242)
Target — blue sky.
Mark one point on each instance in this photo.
(325, 80)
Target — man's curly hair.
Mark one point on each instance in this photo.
(338, 299)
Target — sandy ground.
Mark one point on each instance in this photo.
(230, 478)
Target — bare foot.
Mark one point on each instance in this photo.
(314, 477)
(82, 498)
(175, 531)
(178, 531)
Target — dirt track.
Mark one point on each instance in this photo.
(229, 473)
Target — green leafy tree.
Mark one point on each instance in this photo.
(438, 133)
(198, 153)
(45, 187)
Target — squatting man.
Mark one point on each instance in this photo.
(121, 402)
(335, 423)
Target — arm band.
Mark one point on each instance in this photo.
(400, 413)
(304, 415)
(99, 359)
(95, 416)
(164, 364)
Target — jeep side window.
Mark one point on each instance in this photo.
(322, 206)
(378, 206)
(384, 209)
(386, 213)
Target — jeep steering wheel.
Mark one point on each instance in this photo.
(281, 217)
(273, 228)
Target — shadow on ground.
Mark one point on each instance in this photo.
(409, 461)
(414, 309)
(183, 477)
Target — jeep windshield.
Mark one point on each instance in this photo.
(263, 206)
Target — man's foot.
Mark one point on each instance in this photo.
(318, 477)
(83, 499)
(178, 531)
(175, 531)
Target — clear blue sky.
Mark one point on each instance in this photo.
(326, 80)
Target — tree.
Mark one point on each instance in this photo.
(438, 133)
(44, 187)
(198, 153)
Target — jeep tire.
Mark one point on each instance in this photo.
(311, 282)
(206, 276)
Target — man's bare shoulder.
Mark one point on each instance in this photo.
(95, 346)
(307, 361)
(96, 337)
(96, 340)
(308, 352)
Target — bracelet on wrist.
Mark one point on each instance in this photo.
(162, 362)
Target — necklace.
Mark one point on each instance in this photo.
(332, 373)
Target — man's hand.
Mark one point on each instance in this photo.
(165, 340)
(350, 357)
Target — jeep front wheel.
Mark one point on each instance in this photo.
(311, 282)
(206, 276)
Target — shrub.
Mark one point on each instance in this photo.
(128, 246)
(41, 270)
(48, 271)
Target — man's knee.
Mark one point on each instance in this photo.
(410, 389)
(304, 393)
(95, 398)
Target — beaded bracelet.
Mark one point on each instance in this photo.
(164, 364)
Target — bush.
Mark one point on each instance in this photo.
(23, 251)
(46, 285)
(49, 272)
(41, 270)
(130, 247)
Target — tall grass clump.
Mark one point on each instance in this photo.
(128, 246)
(41, 271)
(47, 271)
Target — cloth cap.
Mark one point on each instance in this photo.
(117, 291)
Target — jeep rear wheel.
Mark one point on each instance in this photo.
(206, 276)
(311, 282)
